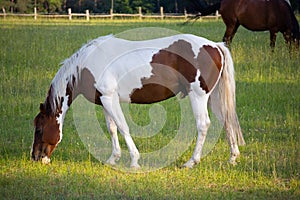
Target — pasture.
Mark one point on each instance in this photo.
(268, 106)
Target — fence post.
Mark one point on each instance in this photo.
(111, 14)
(217, 15)
(185, 14)
(87, 12)
(162, 12)
(140, 12)
(4, 12)
(35, 13)
(70, 13)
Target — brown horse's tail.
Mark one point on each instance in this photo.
(294, 23)
(222, 100)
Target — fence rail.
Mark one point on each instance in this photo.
(111, 15)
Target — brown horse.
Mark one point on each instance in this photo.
(257, 15)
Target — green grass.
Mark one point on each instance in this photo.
(268, 104)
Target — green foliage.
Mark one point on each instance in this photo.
(103, 6)
(122, 6)
(135, 4)
(268, 99)
(6, 4)
(97, 6)
(23, 6)
(55, 6)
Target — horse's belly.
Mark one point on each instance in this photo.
(253, 22)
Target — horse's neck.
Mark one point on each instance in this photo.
(63, 86)
(60, 97)
(57, 104)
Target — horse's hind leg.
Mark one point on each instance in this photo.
(272, 40)
(113, 108)
(112, 128)
(288, 39)
(199, 106)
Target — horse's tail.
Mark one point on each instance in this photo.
(294, 22)
(222, 100)
(295, 26)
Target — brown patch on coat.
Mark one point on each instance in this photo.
(85, 86)
(210, 64)
(173, 68)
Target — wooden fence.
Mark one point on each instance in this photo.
(111, 15)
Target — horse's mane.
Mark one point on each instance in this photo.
(69, 73)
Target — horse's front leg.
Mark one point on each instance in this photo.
(116, 149)
(199, 106)
(231, 29)
(113, 108)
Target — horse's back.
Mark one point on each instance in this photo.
(256, 15)
(120, 56)
(146, 71)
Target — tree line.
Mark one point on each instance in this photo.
(104, 6)
(98, 6)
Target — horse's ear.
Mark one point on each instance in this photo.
(42, 108)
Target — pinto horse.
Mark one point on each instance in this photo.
(110, 70)
(257, 15)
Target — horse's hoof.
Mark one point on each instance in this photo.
(232, 162)
(233, 158)
(189, 164)
(135, 166)
(112, 160)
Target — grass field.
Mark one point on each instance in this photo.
(268, 105)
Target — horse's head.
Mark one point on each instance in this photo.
(46, 135)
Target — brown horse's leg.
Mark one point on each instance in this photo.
(272, 40)
(230, 32)
(288, 39)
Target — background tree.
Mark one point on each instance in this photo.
(146, 5)
(134, 4)
(103, 6)
(295, 5)
(24, 6)
(7, 5)
(122, 6)
(55, 6)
